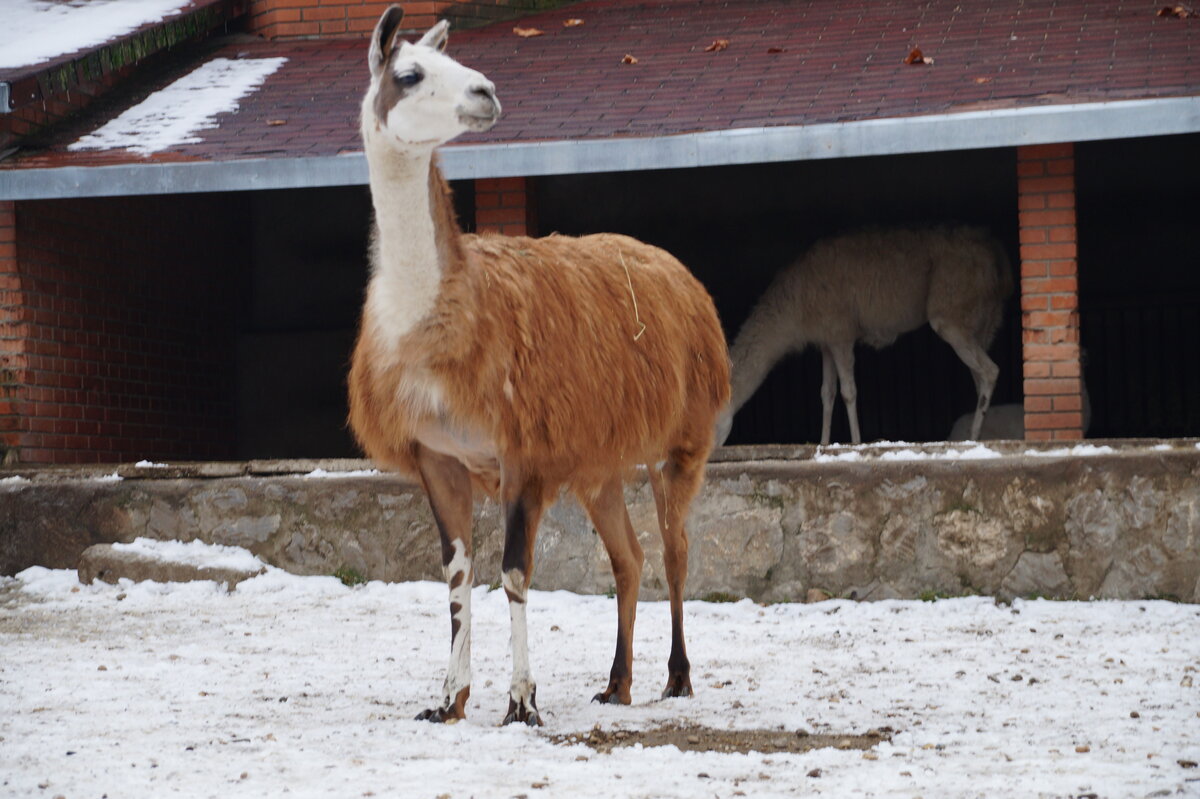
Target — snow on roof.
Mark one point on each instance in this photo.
(176, 114)
(37, 31)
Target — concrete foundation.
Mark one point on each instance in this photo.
(1108, 520)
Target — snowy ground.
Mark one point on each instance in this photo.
(303, 687)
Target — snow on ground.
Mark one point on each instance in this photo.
(301, 687)
(37, 31)
(175, 114)
(194, 553)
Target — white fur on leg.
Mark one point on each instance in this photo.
(522, 688)
(458, 675)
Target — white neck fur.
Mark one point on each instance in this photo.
(406, 273)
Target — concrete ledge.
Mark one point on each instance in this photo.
(102, 562)
(773, 523)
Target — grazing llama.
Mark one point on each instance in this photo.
(516, 366)
(872, 286)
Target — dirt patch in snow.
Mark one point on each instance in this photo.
(706, 739)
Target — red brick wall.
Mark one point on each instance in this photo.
(505, 205)
(12, 339)
(29, 119)
(276, 19)
(1049, 292)
(119, 324)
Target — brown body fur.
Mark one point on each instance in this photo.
(536, 344)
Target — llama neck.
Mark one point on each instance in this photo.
(417, 238)
(767, 336)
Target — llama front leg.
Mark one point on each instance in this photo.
(448, 486)
(521, 515)
(829, 385)
(843, 359)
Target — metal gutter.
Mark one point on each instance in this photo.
(968, 130)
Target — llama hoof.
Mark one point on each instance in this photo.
(678, 685)
(439, 715)
(609, 697)
(525, 712)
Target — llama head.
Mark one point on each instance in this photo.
(419, 96)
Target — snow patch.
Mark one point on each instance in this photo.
(150, 465)
(894, 452)
(194, 553)
(175, 115)
(16, 479)
(1080, 450)
(38, 31)
(322, 474)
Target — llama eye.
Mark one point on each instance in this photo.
(409, 78)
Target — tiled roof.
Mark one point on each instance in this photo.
(787, 63)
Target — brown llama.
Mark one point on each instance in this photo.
(517, 366)
(872, 286)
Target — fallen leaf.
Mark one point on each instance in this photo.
(1178, 12)
(526, 33)
(276, 122)
(917, 57)
(774, 50)
(628, 59)
(983, 80)
(571, 23)
(717, 46)
(1083, 749)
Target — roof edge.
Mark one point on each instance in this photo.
(965, 130)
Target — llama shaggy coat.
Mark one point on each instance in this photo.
(575, 357)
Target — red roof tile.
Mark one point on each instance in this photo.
(788, 62)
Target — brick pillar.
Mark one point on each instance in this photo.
(505, 205)
(12, 340)
(1049, 292)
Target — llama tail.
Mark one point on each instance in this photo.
(1003, 267)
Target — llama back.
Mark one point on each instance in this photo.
(611, 352)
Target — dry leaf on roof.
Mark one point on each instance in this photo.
(571, 23)
(917, 57)
(525, 33)
(276, 122)
(628, 59)
(983, 80)
(717, 46)
(774, 50)
(1178, 12)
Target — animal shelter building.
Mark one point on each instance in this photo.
(184, 217)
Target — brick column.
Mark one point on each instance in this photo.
(505, 205)
(1049, 292)
(12, 340)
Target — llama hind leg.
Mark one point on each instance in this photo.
(448, 487)
(673, 494)
(521, 513)
(611, 518)
(984, 370)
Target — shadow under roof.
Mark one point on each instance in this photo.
(797, 80)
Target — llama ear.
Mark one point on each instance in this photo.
(437, 36)
(383, 39)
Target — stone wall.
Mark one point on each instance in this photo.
(772, 523)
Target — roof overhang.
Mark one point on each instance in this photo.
(967, 130)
